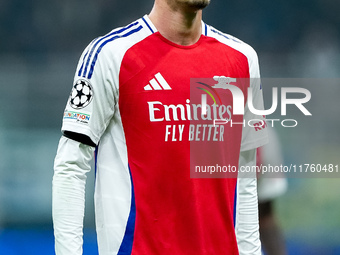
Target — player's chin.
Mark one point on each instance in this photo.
(196, 4)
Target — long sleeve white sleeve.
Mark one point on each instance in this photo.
(71, 164)
(247, 224)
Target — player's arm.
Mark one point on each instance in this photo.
(71, 164)
(247, 224)
(79, 138)
(270, 187)
(83, 125)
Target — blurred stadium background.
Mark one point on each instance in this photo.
(40, 44)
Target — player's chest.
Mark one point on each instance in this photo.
(156, 73)
(161, 70)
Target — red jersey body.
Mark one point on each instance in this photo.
(150, 132)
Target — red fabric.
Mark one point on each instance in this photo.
(176, 214)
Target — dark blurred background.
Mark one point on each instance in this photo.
(40, 43)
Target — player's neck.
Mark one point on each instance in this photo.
(178, 25)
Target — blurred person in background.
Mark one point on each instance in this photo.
(145, 200)
(270, 186)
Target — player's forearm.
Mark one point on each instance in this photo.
(68, 214)
(71, 165)
(247, 225)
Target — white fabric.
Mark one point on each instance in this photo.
(105, 81)
(251, 137)
(113, 189)
(68, 195)
(246, 220)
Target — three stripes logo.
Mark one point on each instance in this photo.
(158, 83)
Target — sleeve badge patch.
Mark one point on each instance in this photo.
(81, 95)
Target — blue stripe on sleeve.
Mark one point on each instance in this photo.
(82, 65)
(219, 33)
(90, 52)
(235, 205)
(148, 25)
(101, 47)
(85, 55)
(126, 245)
(95, 161)
(224, 35)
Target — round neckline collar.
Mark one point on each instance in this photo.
(156, 32)
(179, 45)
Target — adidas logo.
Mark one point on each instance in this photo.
(157, 83)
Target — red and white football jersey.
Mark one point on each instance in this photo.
(133, 96)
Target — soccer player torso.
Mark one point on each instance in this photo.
(146, 117)
(174, 213)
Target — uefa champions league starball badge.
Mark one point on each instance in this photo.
(81, 94)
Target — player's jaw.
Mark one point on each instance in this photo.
(193, 4)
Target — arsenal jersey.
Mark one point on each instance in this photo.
(151, 107)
